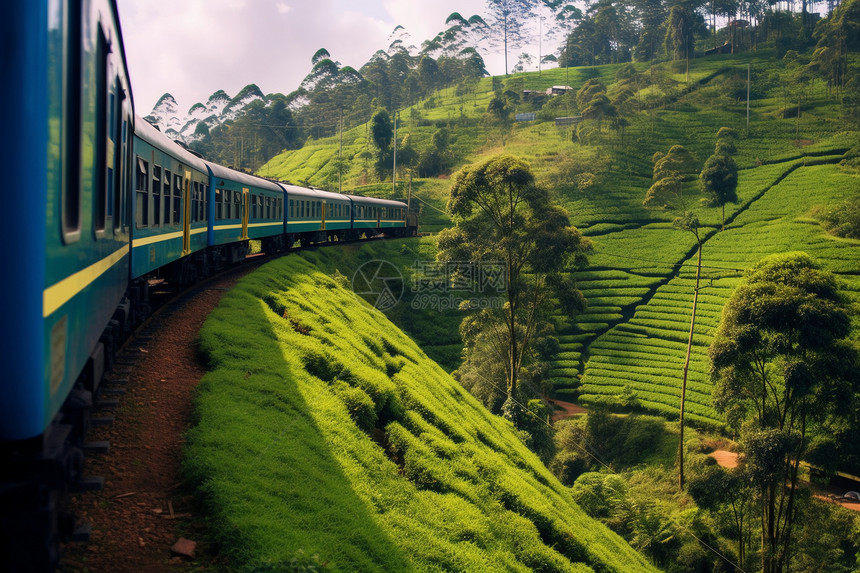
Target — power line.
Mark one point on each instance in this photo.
(612, 471)
(673, 264)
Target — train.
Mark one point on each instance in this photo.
(97, 203)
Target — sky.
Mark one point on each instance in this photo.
(192, 48)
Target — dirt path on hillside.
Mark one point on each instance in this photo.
(729, 459)
(725, 458)
(567, 409)
(143, 511)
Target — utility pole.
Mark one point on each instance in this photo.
(748, 100)
(394, 168)
(340, 157)
(409, 196)
(687, 364)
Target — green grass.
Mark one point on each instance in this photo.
(323, 434)
(638, 284)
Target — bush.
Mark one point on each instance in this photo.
(842, 220)
(358, 403)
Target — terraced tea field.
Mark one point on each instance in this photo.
(629, 348)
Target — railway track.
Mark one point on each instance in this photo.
(137, 507)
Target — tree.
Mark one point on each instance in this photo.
(719, 176)
(726, 494)
(681, 27)
(499, 111)
(381, 130)
(508, 25)
(838, 35)
(382, 133)
(428, 74)
(670, 171)
(782, 368)
(502, 216)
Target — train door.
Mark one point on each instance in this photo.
(323, 214)
(245, 212)
(186, 215)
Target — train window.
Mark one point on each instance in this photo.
(302, 209)
(219, 204)
(166, 185)
(198, 205)
(156, 195)
(201, 202)
(177, 198)
(112, 156)
(194, 187)
(193, 199)
(291, 209)
(141, 218)
(115, 207)
(94, 154)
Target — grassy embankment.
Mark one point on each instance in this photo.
(324, 435)
(628, 346)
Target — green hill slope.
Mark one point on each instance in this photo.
(324, 435)
(627, 348)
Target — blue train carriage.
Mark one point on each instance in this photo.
(65, 148)
(336, 215)
(169, 207)
(243, 207)
(371, 217)
(304, 215)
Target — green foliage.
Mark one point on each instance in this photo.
(640, 290)
(781, 367)
(381, 130)
(503, 218)
(601, 440)
(284, 455)
(719, 179)
(842, 220)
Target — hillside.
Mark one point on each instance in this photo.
(628, 347)
(325, 437)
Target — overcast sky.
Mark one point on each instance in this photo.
(191, 48)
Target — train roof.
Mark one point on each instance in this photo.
(313, 192)
(240, 177)
(375, 201)
(299, 191)
(331, 195)
(148, 133)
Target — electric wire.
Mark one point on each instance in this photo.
(612, 471)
